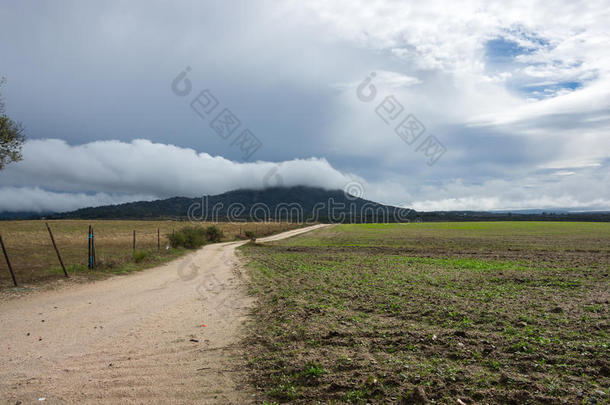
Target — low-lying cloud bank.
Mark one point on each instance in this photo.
(35, 199)
(496, 203)
(584, 189)
(56, 176)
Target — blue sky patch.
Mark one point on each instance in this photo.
(544, 90)
(502, 50)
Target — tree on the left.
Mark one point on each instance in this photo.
(11, 136)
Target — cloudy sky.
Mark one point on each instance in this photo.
(431, 106)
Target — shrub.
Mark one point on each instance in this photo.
(213, 234)
(193, 237)
(250, 235)
(190, 237)
(139, 255)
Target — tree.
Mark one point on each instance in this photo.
(11, 136)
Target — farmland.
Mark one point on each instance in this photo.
(511, 312)
(34, 260)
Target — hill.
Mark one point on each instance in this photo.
(279, 203)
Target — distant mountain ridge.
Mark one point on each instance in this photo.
(10, 215)
(298, 203)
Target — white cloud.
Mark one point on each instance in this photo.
(394, 80)
(569, 164)
(437, 34)
(35, 199)
(494, 203)
(55, 176)
(113, 171)
(384, 79)
(450, 40)
(587, 188)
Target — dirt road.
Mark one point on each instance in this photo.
(133, 339)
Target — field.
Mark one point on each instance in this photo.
(510, 312)
(34, 260)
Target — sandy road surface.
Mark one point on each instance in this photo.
(133, 339)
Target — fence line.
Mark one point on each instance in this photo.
(71, 251)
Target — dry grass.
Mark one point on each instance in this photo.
(34, 260)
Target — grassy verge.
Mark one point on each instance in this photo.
(142, 260)
(496, 313)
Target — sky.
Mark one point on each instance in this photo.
(471, 105)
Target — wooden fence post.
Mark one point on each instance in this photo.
(134, 240)
(56, 250)
(158, 240)
(10, 268)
